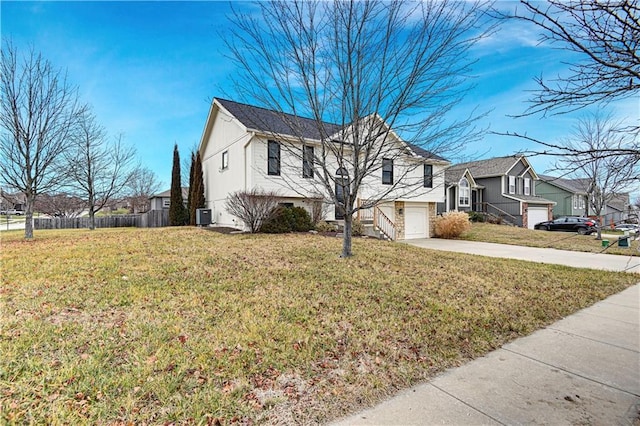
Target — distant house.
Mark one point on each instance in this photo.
(8, 201)
(617, 209)
(570, 195)
(502, 186)
(162, 200)
(243, 148)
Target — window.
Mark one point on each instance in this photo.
(166, 203)
(428, 176)
(580, 202)
(387, 171)
(527, 186)
(225, 160)
(512, 184)
(463, 192)
(273, 164)
(307, 161)
(575, 201)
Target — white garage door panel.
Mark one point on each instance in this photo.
(537, 215)
(415, 223)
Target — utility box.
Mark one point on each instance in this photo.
(203, 217)
(623, 241)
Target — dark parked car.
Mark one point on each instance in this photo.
(581, 225)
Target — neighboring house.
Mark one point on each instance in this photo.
(503, 186)
(9, 201)
(462, 192)
(617, 210)
(163, 200)
(242, 149)
(570, 195)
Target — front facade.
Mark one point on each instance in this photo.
(502, 187)
(569, 195)
(245, 147)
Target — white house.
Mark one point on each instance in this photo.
(243, 147)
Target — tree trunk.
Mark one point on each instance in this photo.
(92, 219)
(346, 236)
(28, 215)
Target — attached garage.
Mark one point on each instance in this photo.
(537, 215)
(416, 221)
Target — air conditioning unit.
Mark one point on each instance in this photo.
(203, 217)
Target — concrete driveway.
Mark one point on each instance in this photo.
(575, 259)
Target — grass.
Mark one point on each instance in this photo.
(183, 325)
(559, 240)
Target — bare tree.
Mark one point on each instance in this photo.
(364, 72)
(252, 207)
(605, 35)
(99, 170)
(604, 175)
(59, 205)
(38, 111)
(142, 184)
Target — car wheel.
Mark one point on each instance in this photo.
(545, 228)
(583, 231)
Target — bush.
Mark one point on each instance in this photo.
(475, 216)
(288, 219)
(452, 224)
(253, 207)
(357, 228)
(323, 226)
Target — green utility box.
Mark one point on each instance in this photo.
(605, 243)
(623, 241)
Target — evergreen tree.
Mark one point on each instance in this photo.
(190, 204)
(198, 178)
(178, 214)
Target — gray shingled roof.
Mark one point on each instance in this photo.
(531, 199)
(167, 193)
(265, 120)
(486, 168)
(576, 186)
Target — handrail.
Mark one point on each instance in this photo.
(364, 214)
(485, 210)
(383, 223)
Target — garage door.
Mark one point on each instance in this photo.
(415, 222)
(537, 215)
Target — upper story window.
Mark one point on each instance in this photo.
(527, 186)
(428, 176)
(580, 202)
(273, 164)
(464, 192)
(575, 201)
(512, 184)
(225, 160)
(387, 171)
(307, 161)
(166, 203)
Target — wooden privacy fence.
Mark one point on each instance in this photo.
(151, 219)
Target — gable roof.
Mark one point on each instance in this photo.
(491, 167)
(167, 193)
(268, 121)
(265, 120)
(575, 186)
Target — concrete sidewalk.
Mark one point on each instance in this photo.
(584, 369)
(609, 262)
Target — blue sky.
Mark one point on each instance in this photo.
(150, 70)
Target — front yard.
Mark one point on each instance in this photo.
(153, 326)
(504, 234)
